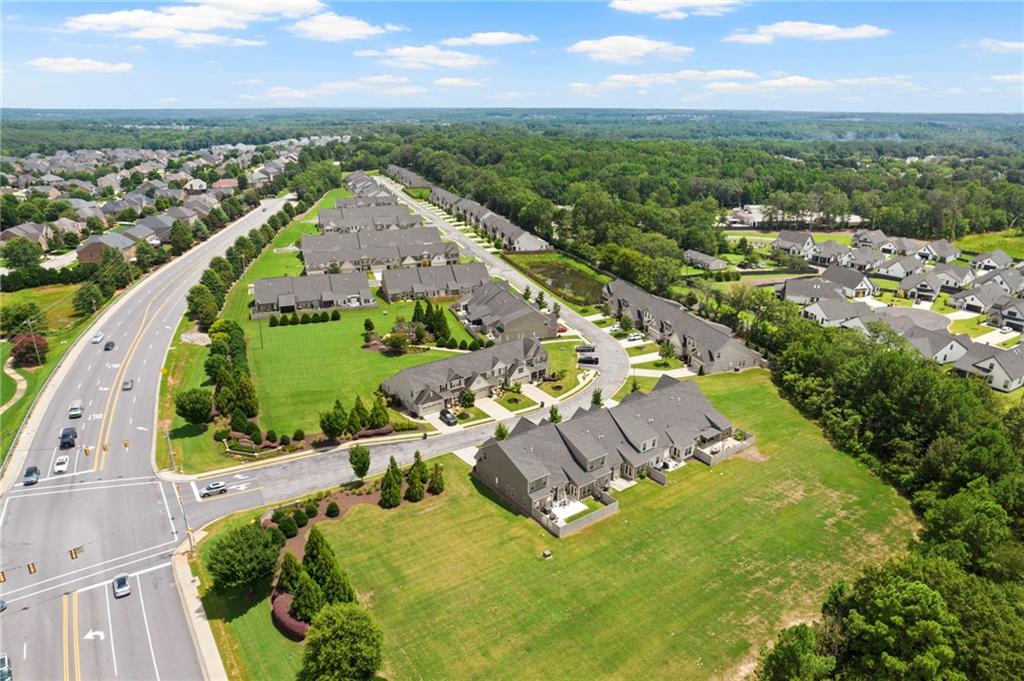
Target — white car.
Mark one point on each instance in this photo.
(61, 464)
(615, 329)
(121, 585)
(97, 338)
(1006, 329)
(635, 336)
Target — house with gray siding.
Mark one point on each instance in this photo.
(496, 311)
(314, 293)
(704, 261)
(794, 243)
(432, 282)
(429, 388)
(376, 251)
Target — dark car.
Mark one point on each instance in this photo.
(588, 359)
(585, 348)
(68, 437)
(448, 418)
(109, 345)
(31, 475)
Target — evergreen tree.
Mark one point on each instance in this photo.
(245, 395)
(417, 313)
(596, 398)
(419, 468)
(331, 424)
(288, 575)
(391, 486)
(359, 458)
(359, 411)
(379, 416)
(322, 565)
(414, 491)
(344, 642)
(553, 415)
(309, 599)
(500, 432)
(436, 485)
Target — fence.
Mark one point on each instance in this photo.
(611, 507)
(657, 476)
(711, 458)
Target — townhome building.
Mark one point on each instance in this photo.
(921, 286)
(407, 177)
(376, 251)
(979, 298)
(497, 312)
(1001, 369)
(432, 282)
(794, 243)
(704, 261)
(539, 467)
(367, 218)
(991, 260)
(953, 277)
(706, 347)
(428, 388)
(313, 293)
(939, 250)
(854, 284)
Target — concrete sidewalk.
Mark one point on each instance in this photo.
(195, 614)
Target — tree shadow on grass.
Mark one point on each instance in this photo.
(228, 605)
(187, 431)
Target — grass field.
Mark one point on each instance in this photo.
(644, 383)
(973, 326)
(941, 304)
(570, 281)
(845, 238)
(1009, 240)
(561, 357)
(662, 364)
(516, 402)
(687, 581)
(644, 349)
(327, 201)
(7, 385)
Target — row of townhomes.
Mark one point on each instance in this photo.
(359, 214)
(497, 312)
(150, 190)
(429, 388)
(314, 293)
(442, 281)
(545, 470)
(705, 346)
(376, 251)
(511, 236)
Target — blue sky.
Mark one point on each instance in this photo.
(715, 54)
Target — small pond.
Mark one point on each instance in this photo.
(567, 281)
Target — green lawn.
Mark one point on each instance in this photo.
(661, 364)
(7, 385)
(644, 383)
(561, 357)
(1011, 343)
(941, 304)
(687, 581)
(973, 326)
(644, 349)
(1011, 241)
(888, 296)
(472, 415)
(844, 239)
(516, 401)
(885, 284)
(327, 202)
(591, 505)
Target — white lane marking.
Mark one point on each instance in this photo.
(64, 476)
(82, 489)
(110, 628)
(130, 420)
(52, 459)
(78, 457)
(145, 620)
(106, 582)
(4, 512)
(24, 650)
(62, 585)
(170, 520)
(79, 386)
(142, 428)
(195, 490)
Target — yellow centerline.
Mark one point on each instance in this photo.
(64, 632)
(78, 661)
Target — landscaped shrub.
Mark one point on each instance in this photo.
(294, 318)
(277, 515)
(451, 344)
(271, 436)
(490, 342)
(239, 423)
(463, 345)
(274, 321)
(474, 346)
(305, 318)
(300, 517)
(310, 509)
(299, 435)
(335, 315)
(255, 434)
(221, 434)
(332, 510)
(288, 526)
(285, 440)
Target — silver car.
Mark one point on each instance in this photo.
(121, 585)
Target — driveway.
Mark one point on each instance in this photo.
(926, 318)
(995, 337)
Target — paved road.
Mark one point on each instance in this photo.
(62, 621)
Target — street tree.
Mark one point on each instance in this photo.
(343, 642)
(194, 405)
(243, 555)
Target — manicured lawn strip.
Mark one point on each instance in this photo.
(644, 385)
(591, 507)
(327, 202)
(523, 402)
(973, 326)
(941, 304)
(703, 572)
(194, 448)
(250, 647)
(644, 349)
(662, 364)
(819, 237)
(472, 414)
(604, 322)
(885, 284)
(890, 297)
(1013, 342)
(561, 357)
(1011, 241)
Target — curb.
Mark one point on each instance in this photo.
(198, 625)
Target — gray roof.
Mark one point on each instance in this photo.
(789, 237)
(315, 288)
(840, 309)
(914, 280)
(987, 294)
(495, 303)
(958, 273)
(112, 239)
(704, 260)
(427, 280)
(844, 276)
(997, 256)
(813, 287)
(943, 249)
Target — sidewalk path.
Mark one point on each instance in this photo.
(19, 379)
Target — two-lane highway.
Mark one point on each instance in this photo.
(65, 538)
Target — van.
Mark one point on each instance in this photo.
(75, 410)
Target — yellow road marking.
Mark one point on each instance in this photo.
(74, 619)
(64, 632)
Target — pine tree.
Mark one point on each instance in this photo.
(417, 313)
(391, 486)
(379, 416)
(419, 468)
(414, 492)
(341, 415)
(358, 409)
(500, 432)
(309, 599)
(288, 576)
(245, 395)
(436, 485)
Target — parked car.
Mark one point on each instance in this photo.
(1005, 329)
(562, 329)
(448, 418)
(214, 488)
(589, 359)
(68, 437)
(635, 336)
(31, 475)
(121, 585)
(5, 668)
(61, 464)
(585, 348)
(97, 338)
(109, 345)
(615, 329)
(128, 384)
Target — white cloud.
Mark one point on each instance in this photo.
(896, 82)
(624, 49)
(787, 83)
(385, 84)
(192, 24)
(1007, 78)
(453, 82)
(995, 45)
(167, 100)
(643, 81)
(77, 65)
(424, 56)
(333, 28)
(491, 39)
(805, 30)
(676, 9)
